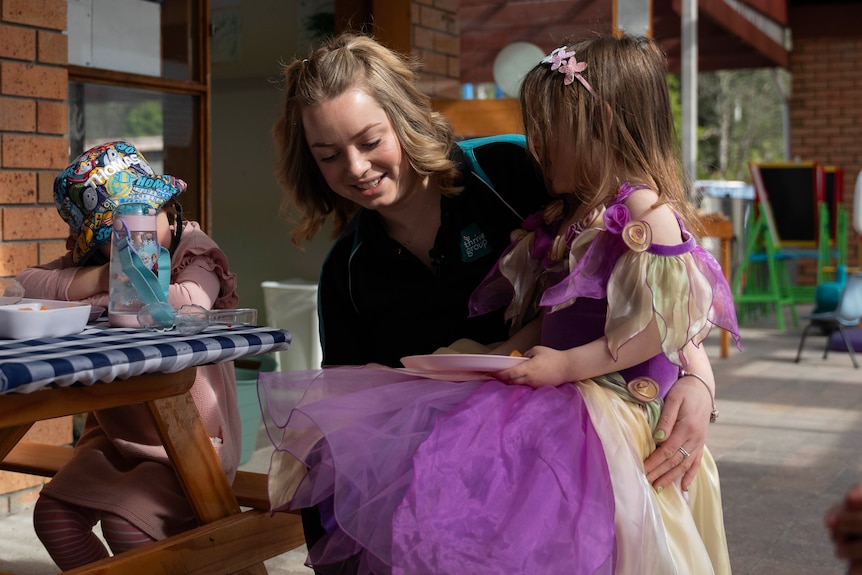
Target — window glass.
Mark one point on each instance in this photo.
(162, 126)
(148, 37)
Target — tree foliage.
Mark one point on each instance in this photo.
(740, 120)
(740, 116)
(145, 119)
(124, 118)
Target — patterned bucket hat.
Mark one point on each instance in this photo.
(100, 179)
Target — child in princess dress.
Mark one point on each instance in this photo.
(538, 469)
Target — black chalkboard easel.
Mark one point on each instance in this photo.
(793, 192)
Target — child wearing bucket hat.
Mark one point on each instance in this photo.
(120, 474)
(87, 192)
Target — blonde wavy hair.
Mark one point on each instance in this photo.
(349, 60)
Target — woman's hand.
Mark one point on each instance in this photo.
(683, 423)
(844, 523)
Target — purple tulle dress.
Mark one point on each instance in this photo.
(461, 473)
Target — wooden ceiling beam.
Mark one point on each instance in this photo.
(774, 9)
(728, 40)
(735, 23)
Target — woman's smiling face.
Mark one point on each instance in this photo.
(357, 149)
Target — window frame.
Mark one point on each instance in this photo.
(198, 24)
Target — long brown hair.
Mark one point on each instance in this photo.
(349, 60)
(623, 123)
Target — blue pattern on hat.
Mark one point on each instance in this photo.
(100, 179)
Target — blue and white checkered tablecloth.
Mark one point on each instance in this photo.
(109, 353)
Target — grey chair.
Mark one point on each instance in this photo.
(847, 314)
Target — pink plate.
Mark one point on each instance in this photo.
(461, 362)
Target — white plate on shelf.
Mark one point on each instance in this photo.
(461, 362)
(35, 318)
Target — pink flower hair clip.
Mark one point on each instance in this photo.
(566, 63)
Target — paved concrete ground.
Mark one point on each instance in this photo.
(788, 444)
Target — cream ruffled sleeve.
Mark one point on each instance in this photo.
(682, 287)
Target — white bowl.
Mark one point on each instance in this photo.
(34, 318)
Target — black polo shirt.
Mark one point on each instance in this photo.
(379, 303)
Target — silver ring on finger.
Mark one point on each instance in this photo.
(685, 454)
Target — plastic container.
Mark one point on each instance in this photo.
(11, 291)
(135, 223)
(292, 304)
(191, 318)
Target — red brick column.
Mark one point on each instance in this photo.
(34, 129)
(34, 146)
(437, 43)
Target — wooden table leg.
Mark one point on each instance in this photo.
(718, 226)
(197, 464)
(194, 458)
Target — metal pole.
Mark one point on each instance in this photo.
(688, 92)
(781, 90)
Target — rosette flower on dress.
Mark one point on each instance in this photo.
(637, 236)
(616, 217)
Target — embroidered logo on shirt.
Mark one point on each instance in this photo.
(474, 244)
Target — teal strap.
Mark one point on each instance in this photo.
(165, 270)
(151, 288)
(469, 149)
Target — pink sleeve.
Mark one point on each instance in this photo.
(52, 281)
(194, 284)
(49, 281)
(200, 272)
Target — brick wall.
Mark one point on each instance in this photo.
(18, 490)
(33, 147)
(33, 130)
(436, 42)
(826, 115)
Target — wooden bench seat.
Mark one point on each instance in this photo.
(249, 488)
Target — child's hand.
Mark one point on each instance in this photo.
(546, 366)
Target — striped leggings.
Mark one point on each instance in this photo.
(66, 531)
